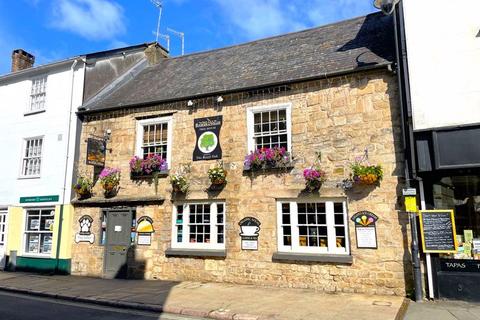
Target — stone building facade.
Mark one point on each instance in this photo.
(331, 120)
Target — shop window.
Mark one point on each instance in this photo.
(199, 225)
(462, 194)
(269, 127)
(313, 227)
(38, 231)
(32, 157)
(38, 94)
(154, 136)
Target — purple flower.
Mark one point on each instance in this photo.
(107, 172)
(314, 174)
(266, 156)
(136, 165)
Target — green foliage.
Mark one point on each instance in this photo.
(83, 186)
(217, 175)
(364, 170)
(208, 140)
(179, 183)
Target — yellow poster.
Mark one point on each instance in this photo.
(411, 204)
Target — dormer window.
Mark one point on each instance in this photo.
(38, 94)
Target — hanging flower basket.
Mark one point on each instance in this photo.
(363, 173)
(83, 187)
(110, 180)
(314, 178)
(179, 183)
(217, 176)
(267, 158)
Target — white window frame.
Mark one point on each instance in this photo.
(25, 232)
(32, 95)
(139, 141)
(250, 122)
(330, 219)
(185, 244)
(23, 158)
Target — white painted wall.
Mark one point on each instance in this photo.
(444, 61)
(53, 124)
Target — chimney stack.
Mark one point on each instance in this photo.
(21, 60)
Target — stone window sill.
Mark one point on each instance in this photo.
(141, 176)
(174, 252)
(269, 168)
(31, 113)
(328, 258)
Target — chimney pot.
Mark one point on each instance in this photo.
(21, 60)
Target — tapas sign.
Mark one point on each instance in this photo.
(437, 228)
(250, 228)
(365, 229)
(85, 235)
(144, 231)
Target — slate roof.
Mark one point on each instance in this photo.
(349, 45)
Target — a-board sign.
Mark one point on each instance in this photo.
(437, 228)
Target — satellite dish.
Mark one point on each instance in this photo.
(387, 6)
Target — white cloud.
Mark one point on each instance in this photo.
(91, 19)
(260, 18)
(254, 19)
(321, 12)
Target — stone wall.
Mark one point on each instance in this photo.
(338, 117)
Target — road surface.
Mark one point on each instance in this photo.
(24, 307)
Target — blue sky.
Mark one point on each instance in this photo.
(57, 29)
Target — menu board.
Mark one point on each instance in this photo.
(437, 228)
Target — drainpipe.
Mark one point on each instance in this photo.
(67, 158)
(407, 137)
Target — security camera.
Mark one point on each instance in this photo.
(387, 6)
(190, 103)
(109, 131)
(220, 99)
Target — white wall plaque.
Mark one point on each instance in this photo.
(366, 237)
(144, 239)
(249, 244)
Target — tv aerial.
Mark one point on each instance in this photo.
(159, 5)
(387, 6)
(181, 35)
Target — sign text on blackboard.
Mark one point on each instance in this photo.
(437, 228)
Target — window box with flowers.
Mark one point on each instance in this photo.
(267, 159)
(151, 167)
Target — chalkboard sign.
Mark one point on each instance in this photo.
(438, 231)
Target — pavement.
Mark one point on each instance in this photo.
(207, 300)
(443, 310)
